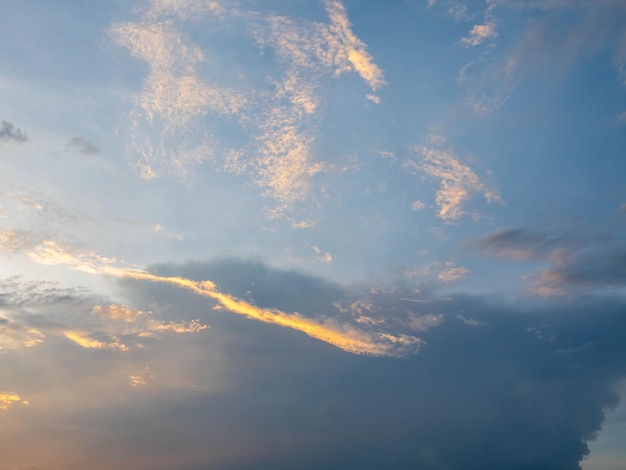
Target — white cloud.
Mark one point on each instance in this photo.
(480, 33)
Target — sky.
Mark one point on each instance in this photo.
(338, 234)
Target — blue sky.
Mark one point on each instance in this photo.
(312, 234)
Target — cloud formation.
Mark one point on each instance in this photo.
(82, 146)
(482, 369)
(275, 115)
(458, 181)
(480, 33)
(331, 330)
(10, 133)
(578, 257)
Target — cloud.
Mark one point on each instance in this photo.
(10, 133)
(578, 257)
(82, 146)
(453, 274)
(480, 33)
(275, 117)
(458, 181)
(473, 391)
(554, 42)
(496, 384)
(343, 335)
(16, 335)
(37, 311)
(82, 339)
(348, 51)
(417, 206)
(322, 256)
(140, 378)
(8, 400)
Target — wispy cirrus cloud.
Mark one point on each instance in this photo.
(348, 51)
(458, 182)
(574, 29)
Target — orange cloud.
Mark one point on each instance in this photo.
(329, 330)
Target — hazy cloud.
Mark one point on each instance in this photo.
(82, 146)
(10, 133)
(578, 257)
(480, 33)
(9, 400)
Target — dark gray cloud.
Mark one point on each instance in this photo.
(495, 386)
(10, 133)
(82, 146)
(576, 256)
(522, 388)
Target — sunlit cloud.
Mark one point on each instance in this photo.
(15, 335)
(458, 181)
(141, 377)
(349, 52)
(8, 400)
(274, 116)
(453, 274)
(342, 335)
(82, 339)
(417, 205)
(480, 33)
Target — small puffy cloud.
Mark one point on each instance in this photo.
(453, 274)
(82, 146)
(84, 340)
(321, 256)
(9, 399)
(480, 33)
(10, 133)
(417, 206)
(373, 98)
